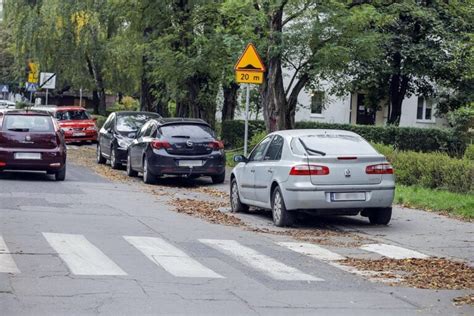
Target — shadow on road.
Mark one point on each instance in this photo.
(25, 176)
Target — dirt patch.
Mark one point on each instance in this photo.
(432, 273)
(326, 237)
(206, 210)
(464, 300)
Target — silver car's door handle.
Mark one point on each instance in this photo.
(252, 171)
(270, 170)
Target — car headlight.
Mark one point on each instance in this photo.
(92, 128)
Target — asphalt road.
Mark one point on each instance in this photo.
(90, 246)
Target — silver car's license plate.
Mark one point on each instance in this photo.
(190, 163)
(28, 156)
(78, 134)
(348, 196)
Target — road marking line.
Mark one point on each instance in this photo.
(171, 258)
(81, 256)
(312, 251)
(7, 264)
(393, 252)
(254, 259)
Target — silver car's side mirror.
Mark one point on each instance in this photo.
(240, 158)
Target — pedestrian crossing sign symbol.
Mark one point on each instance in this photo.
(4, 88)
(250, 67)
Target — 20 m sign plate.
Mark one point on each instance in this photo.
(249, 77)
(249, 67)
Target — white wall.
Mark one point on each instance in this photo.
(409, 111)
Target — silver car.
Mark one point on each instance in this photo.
(319, 171)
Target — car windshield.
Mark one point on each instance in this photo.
(72, 115)
(132, 123)
(333, 144)
(28, 123)
(187, 131)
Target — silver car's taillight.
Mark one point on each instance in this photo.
(309, 170)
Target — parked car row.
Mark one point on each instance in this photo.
(327, 172)
(154, 146)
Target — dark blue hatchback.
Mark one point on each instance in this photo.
(176, 146)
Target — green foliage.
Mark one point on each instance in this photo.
(256, 138)
(430, 170)
(436, 200)
(402, 138)
(233, 132)
(100, 120)
(469, 154)
(127, 104)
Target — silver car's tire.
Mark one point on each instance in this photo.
(148, 177)
(235, 204)
(380, 216)
(281, 216)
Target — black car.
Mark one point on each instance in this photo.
(176, 146)
(117, 133)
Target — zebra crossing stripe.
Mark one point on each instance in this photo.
(81, 256)
(312, 251)
(7, 264)
(170, 258)
(393, 252)
(258, 261)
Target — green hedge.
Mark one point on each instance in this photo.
(402, 138)
(430, 170)
(100, 120)
(233, 132)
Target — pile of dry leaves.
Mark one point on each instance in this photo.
(464, 300)
(208, 210)
(432, 273)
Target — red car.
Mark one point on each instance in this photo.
(32, 140)
(77, 124)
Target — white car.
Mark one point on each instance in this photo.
(5, 104)
(317, 171)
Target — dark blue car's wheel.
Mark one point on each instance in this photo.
(148, 177)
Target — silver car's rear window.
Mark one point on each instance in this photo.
(333, 144)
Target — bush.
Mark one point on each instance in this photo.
(430, 170)
(127, 104)
(100, 120)
(233, 132)
(401, 138)
(469, 153)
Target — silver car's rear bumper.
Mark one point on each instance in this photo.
(320, 197)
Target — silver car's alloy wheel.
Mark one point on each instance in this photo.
(277, 207)
(235, 197)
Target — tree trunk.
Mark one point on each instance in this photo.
(99, 85)
(273, 92)
(293, 100)
(398, 89)
(230, 101)
(95, 101)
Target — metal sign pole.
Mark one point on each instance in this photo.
(47, 92)
(246, 134)
(80, 96)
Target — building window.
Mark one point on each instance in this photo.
(317, 102)
(424, 110)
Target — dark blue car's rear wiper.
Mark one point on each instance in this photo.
(310, 150)
(19, 129)
(181, 136)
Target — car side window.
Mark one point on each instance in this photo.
(257, 153)
(274, 149)
(108, 123)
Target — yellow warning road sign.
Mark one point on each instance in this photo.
(249, 67)
(33, 73)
